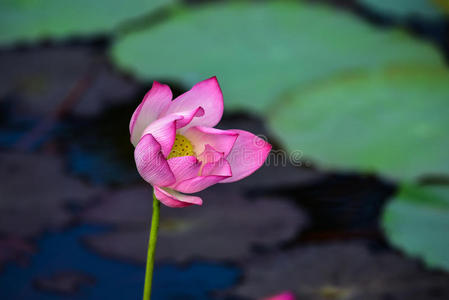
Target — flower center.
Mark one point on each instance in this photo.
(181, 147)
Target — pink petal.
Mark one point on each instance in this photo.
(282, 296)
(214, 170)
(184, 167)
(248, 154)
(151, 163)
(220, 140)
(206, 94)
(220, 168)
(174, 199)
(198, 184)
(210, 154)
(164, 129)
(214, 163)
(188, 115)
(155, 102)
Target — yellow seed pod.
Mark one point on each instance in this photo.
(181, 147)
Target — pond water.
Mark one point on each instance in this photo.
(64, 252)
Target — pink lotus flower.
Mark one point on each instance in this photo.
(282, 296)
(178, 151)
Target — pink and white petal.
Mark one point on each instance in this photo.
(164, 131)
(174, 199)
(188, 115)
(155, 102)
(184, 167)
(151, 163)
(248, 154)
(214, 163)
(220, 167)
(198, 184)
(220, 140)
(206, 94)
(210, 154)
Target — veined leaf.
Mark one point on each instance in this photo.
(417, 222)
(31, 20)
(393, 121)
(257, 50)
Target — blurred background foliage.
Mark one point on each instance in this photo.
(348, 95)
(33, 20)
(258, 50)
(407, 8)
(391, 121)
(417, 220)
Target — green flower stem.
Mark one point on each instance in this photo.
(151, 249)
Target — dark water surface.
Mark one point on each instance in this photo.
(64, 252)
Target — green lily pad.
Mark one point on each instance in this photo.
(31, 20)
(257, 50)
(393, 121)
(417, 221)
(405, 8)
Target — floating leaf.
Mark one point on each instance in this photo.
(64, 282)
(199, 233)
(392, 121)
(405, 8)
(30, 20)
(417, 221)
(38, 81)
(257, 50)
(349, 271)
(61, 253)
(36, 195)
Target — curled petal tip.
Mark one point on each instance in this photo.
(174, 199)
(206, 94)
